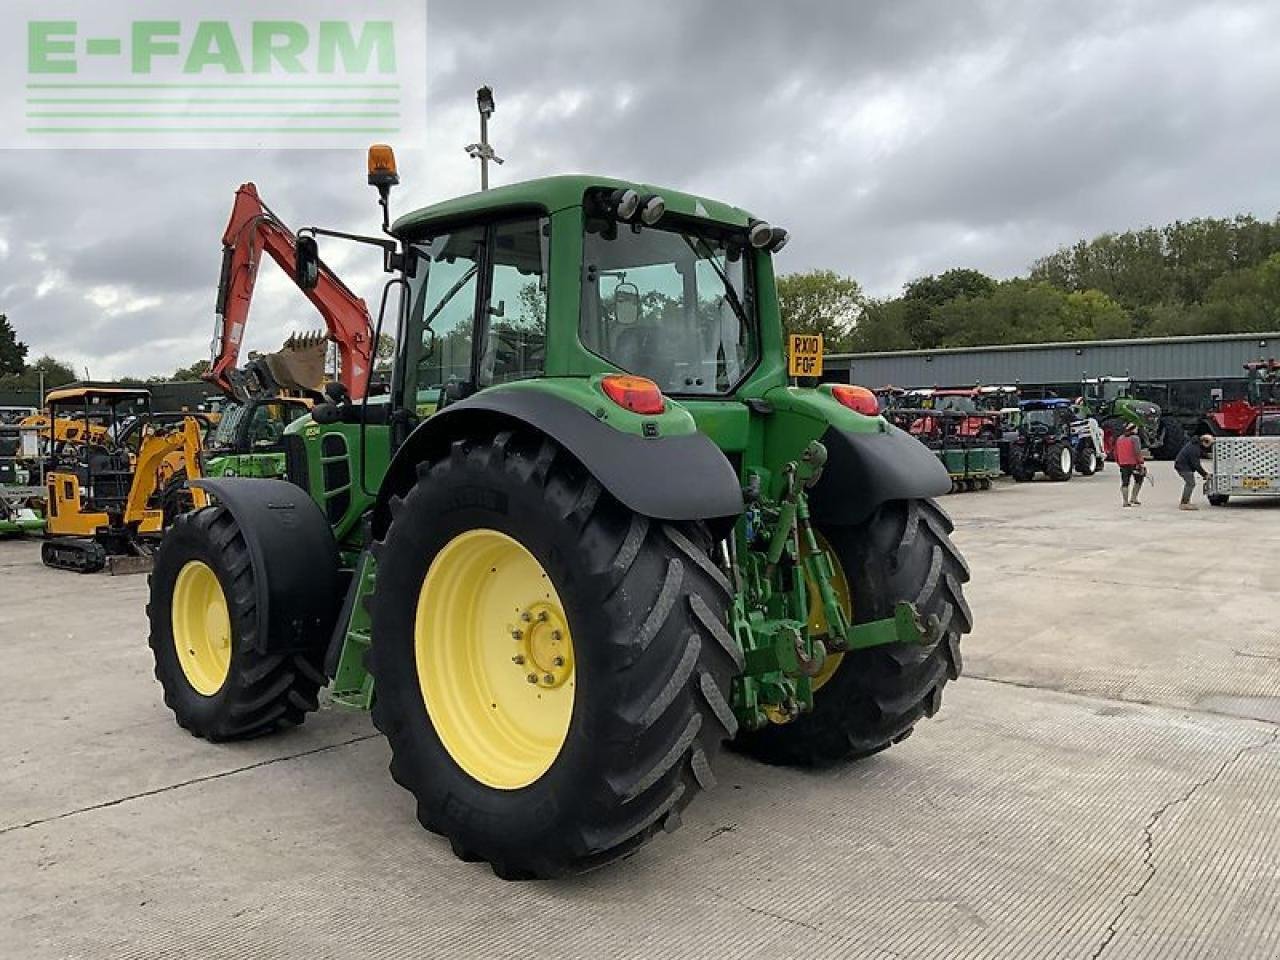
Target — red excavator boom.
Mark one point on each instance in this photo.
(253, 230)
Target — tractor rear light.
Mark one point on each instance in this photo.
(858, 399)
(637, 394)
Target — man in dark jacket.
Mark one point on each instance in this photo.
(1187, 463)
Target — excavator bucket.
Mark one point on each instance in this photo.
(300, 365)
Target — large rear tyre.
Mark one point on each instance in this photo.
(1172, 438)
(874, 697)
(204, 636)
(552, 670)
(1019, 469)
(1059, 461)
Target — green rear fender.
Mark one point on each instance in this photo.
(657, 465)
(869, 461)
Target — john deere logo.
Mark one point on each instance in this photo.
(227, 73)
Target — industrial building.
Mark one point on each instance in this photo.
(1179, 373)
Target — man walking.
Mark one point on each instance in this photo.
(1128, 455)
(1187, 463)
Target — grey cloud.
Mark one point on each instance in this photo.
(893, 139)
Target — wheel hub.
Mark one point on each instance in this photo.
(495, 660)
(201, 623)
(543, 653)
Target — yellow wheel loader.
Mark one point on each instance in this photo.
(107, 503)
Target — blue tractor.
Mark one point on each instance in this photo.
(1052, 439)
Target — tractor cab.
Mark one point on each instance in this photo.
(249, 439)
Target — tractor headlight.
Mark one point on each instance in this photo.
(625, 203)
(652, 209)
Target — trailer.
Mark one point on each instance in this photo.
(1244, 467)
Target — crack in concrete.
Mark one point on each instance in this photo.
(1130, 897)
(792, 921)
(185, 783)
(1103, 698)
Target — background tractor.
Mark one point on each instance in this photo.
(1046, 442)
(1258, 413)
(1110, 401)
(591, 533)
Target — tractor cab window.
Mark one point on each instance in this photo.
(515, 335)
(958, 404)
(266, 426)
(1044, 418)
(506, 265)
(671, 305)
(442, 309)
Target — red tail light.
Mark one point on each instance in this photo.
(858, 399)
(637, 394)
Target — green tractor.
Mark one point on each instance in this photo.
(1111, 401)
(591, 534)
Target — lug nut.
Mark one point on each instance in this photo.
(525, 616)
(542, 616)
(556, 636)
(558, 662)
(532, 678)
(516, 634)
(548, 678)
(517, 659)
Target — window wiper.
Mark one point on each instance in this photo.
(453, 292)
(731, 295)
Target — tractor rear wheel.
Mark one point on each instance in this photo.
(865, 700)
(1059, 461)
(1019, 469)
(1172, 438)
(552, 670)
(204, 636)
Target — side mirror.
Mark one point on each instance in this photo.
(626, 304)
(306, 272)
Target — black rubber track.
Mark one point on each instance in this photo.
(877, 695)
(654, 661)
(262, 693)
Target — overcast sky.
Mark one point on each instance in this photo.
(893, 139)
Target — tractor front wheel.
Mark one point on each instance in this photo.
(1087, 459)
(552, 670)
(867, 699)
(204, 636)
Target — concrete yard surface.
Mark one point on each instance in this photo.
(1102, 782)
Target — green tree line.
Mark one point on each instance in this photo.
(1201, 276)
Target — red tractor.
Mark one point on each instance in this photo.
(1255, 414)
(980, 422)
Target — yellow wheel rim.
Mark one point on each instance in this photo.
(201, 628)
(495, 659)
(818, 616)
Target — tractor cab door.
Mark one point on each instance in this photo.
(477, 313)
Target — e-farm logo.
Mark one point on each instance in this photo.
(215, 73)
